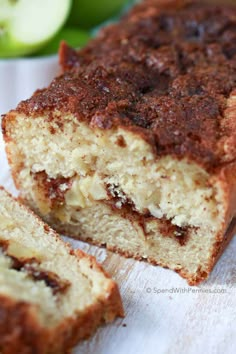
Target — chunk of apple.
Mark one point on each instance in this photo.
(26, 25)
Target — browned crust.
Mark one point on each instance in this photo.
(82, 326)
(222, 127)
(19, 329)
(170, 88)
(21, 332)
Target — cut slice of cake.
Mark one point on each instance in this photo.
(50, 295)
(134, 146)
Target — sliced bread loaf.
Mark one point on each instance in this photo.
(137, 142)
(50, 295)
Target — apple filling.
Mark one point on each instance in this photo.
(77, 170)
(21, 30)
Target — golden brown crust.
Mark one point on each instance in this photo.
(20, 331)
(19, 328)
(170, 88)
(82, 326)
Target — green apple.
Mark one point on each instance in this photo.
(26, 25)
(90, 13)
(74, 37)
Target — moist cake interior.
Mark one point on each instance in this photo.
(131, 146)
(38, 269)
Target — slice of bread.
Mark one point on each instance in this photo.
(50, 295)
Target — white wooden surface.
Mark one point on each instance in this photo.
(163, 314)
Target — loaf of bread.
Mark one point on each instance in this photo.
(134, 146)
(50, 295)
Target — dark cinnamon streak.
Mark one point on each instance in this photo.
(126, 207)
(163, 71)
(128, 210)
(29, 265)
(52, 187)
(181, 234)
